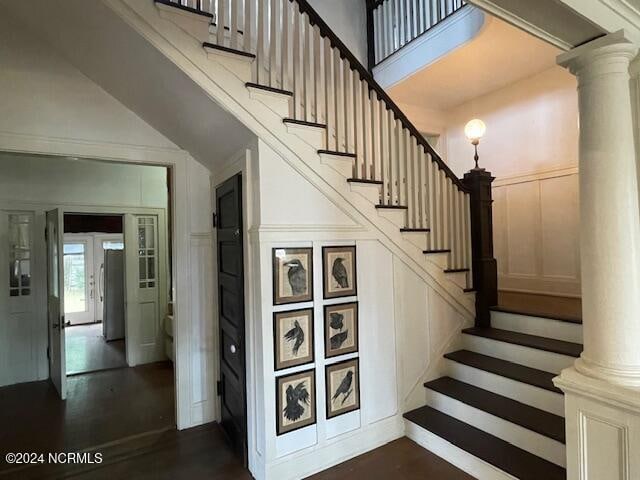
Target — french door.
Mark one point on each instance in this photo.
(79, 280)
(55, 301)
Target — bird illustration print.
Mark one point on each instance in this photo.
(297, 276)
(344, 389)
(339, 273)
(338, 339)
(297, 398)
(295, 335)
(337, 321)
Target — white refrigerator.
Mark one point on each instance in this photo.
(113, 306)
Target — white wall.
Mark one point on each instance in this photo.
(348, 20)
(404, 326)
(531, 147)
(63, 181)
(50, 108)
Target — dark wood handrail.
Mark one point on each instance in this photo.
(355, 64)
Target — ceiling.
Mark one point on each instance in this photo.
(500, 55)
(128, 67)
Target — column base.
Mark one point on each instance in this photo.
(603, 427)
(618, 376)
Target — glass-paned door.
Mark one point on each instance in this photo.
(79, 280)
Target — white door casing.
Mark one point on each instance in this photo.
(55, 301)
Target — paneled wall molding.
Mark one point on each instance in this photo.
(536, 231)
(553, 172)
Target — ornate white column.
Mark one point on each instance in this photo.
(602, 390)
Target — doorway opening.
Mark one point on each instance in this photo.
(94, 292)
(86, 243)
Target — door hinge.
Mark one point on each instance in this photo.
(219, 388)
(215, 220)
(46, 234)
(48, 357)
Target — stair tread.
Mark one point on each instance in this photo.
(336, 153)
(222, 48)
(267, 88)
(503, 368)
(363, 180)
(526, 416)
(304, 123)
(540, 343)
(533, 313)
(493, 450)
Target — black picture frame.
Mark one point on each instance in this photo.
(329, 291)
(282, 429)
(329, 393)
(278, 297)
(280, 364)
(329, 352)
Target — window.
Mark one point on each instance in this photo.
(20, 226)
(147, 251)
(75, 278)
(112, 245)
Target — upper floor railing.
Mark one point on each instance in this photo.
(392, 24)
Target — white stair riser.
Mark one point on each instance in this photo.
(542, 327)
(523, 438)
(313, 136)
(529, 357)
(276, 102)
(522, 392)
(370, 191)
(459, 278)
(395, 215)
(440, 259)
(193, 24)
(419, 239)
(466, 462)
(239, 66)
(341, 164)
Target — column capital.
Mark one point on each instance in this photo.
(609, 54)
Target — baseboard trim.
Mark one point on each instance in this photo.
(456, 456)
(329, 454)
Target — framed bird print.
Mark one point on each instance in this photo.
(293, 338)
(339, 271)
(296, 401)
(340, 329)
(292, 275)
(343, 387)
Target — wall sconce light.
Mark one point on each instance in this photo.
(474, 131)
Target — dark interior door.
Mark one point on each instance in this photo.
(232, 387)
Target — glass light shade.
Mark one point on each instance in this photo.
(475, 129)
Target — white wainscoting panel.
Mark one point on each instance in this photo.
(536, 232)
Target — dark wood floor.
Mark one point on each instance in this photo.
(201, 453)
(127, 416)
(399, 460)
(100, 408)
(88, 351)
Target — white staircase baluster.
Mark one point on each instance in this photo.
(220, 19)
(296, 63)
(286, 45)
(307, 58)
(234, 35)
(340, 99)
(274, 33)
(367, 151)
(320, 87)
(360, 168)
(329, 72)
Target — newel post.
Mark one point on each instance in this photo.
(485, 269)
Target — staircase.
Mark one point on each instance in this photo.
(497, 411)
(324, 96)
